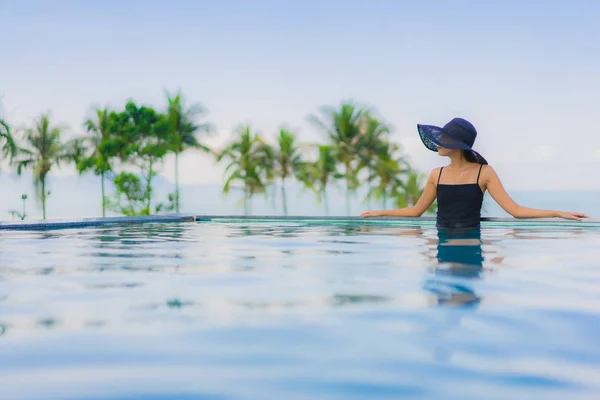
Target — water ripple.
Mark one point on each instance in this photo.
(294, 310)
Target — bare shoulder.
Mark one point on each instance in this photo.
(487, 173)
(433, 175)
(435, 171)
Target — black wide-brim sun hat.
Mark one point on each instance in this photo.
(457, 134)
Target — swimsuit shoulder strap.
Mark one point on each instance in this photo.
(480, 166)
(440, 175)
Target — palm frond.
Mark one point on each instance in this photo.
(9, 148)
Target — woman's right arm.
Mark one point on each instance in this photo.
(418, 209)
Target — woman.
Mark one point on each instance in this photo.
(459, 187)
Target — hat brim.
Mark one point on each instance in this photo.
(434, 137)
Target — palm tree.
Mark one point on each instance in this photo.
(143, 140)
(184, 132)
(103, 147)
(343, 128)
(318, 175)
(250, 163)
(43, 150)
(8, 149)
(409, 193)
(374, 152)
(288, 161)
(387, 174)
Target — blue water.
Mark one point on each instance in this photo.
(300, 311)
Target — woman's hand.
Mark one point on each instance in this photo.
(368, 214)
(571, 215)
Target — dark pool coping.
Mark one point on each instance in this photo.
(170, 218)
(88, 222)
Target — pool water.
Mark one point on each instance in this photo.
(299, 310)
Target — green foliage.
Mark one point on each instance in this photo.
(359, 142)
(250, 164)
(130, 197)
(384, 166)
(8, 148)
(144, 135)
(101, 147)
(43, 151)
(288, 156)
(319, 174)
(387, 174)
(358, 150)
(102, 144)
(184, 132)
(344, 128)
(288, 161)
(409, 193)
(169, 206)
(143, 141)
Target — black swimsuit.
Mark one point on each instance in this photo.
(459, 206)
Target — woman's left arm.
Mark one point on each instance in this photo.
(498, 193)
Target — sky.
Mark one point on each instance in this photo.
(526, 74)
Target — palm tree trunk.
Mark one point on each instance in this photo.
(384, 200)
(249, 203)
(43, 181)
(273, 196)
(149, 189)
(177, 182)
(325, 202)
(347, 190)
(103, 196)
(245, 201)
(283, 198)
(369, 179)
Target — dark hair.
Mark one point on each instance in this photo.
(470, 157)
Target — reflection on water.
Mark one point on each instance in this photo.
(460, 258)
(47, 323)
(177, 303)
(339, 299)
(299, 310)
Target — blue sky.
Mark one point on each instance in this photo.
(527, 74)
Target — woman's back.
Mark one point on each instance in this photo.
(459, 204)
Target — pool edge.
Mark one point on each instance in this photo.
(89, 222)
(402, 221)
(170, 218)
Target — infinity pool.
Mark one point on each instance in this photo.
(300, 310)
